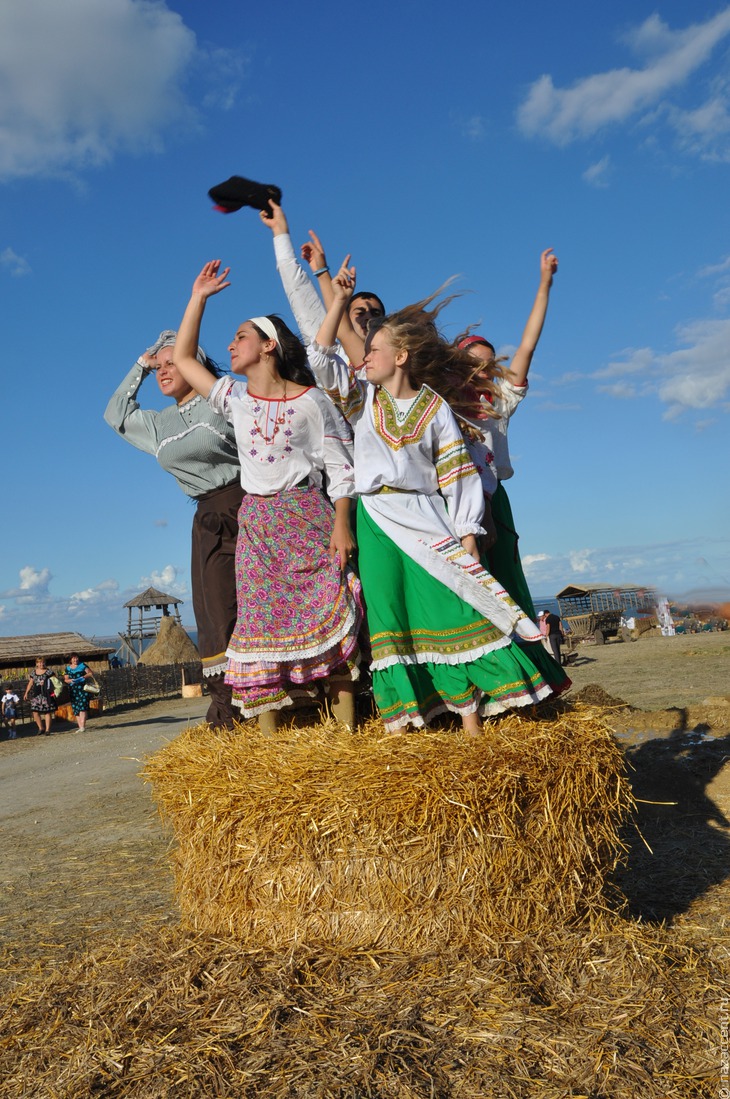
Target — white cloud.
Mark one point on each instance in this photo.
(31, 608)
(100, 594)
(704, 131)
(695, 375)
(620, 390)
(531, 559)
(33, 580)
(713, 269)
(580, 561)
(16, 265)
(597, 174)
(165, 579)
(83, 79)
(563, 115)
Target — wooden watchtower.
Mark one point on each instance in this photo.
(151, 606)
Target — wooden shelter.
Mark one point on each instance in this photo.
(145, 614)
(18, 654)
(594, 611)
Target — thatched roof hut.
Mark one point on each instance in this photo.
(153, 597)
(18, 654)
(150, 609)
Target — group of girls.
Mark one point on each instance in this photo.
(313, 433)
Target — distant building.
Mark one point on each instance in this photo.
(145, 614)
(18, 654)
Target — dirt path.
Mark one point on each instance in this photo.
(83, 847)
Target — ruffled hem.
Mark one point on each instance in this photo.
(484, 709)
(278, 700)
(217, 668)
(261, 675)
(515, 701)
(261, 688)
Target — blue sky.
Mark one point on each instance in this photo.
(429, 142)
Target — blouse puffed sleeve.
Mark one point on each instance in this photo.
(304, 301)
(337, 449)
(224, 392)
(459, 482)
(338, 380)
(123, 414)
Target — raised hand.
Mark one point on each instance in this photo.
(313, 252)
(343, 284)
(548, 266)
(275, 219)
(211, 280)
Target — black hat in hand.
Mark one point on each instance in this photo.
(237, 192)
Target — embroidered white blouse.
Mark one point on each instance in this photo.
(494, 431)
(410, 446)
(282, 442)
(415, 479)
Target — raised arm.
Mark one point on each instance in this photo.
(210, 281)
(332, 373)
(123, 414)
(522, 358)
(342, 288)
(352, 342)
(304, 300)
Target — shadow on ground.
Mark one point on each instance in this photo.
(679, 843)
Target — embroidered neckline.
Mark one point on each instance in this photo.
(401, 414)
(282, 421)
(397, 433)
(255, 397)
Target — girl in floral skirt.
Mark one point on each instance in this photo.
(299, 602)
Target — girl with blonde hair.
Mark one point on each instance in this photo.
(443, 632)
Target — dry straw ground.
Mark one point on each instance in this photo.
(569, 994)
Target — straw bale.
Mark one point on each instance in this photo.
(614, 1012)
(393, 841)
(171, 646)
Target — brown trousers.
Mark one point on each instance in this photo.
(213, 576)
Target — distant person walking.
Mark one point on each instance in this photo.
(554, 634)
(75, 675)
(9, 705)
(42, 696)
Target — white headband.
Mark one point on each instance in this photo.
(269, 328)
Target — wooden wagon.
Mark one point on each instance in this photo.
(593, 612)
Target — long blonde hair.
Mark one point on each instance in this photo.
(452, 372)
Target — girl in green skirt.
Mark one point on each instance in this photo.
(443, 631)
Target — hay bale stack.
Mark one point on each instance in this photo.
(171, 646)
(401, 842)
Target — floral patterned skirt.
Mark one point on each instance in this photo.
(298, 613)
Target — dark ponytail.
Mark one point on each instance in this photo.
(292, 360)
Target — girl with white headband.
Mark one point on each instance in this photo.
(299, 602)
